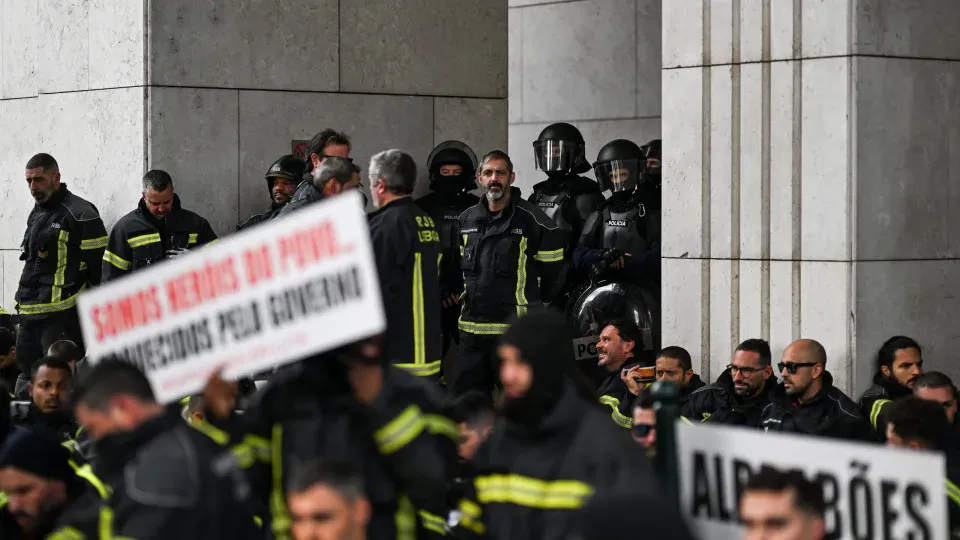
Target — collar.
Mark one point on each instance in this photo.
(116, 449)
(781, 393)
(145, 212)
(893, 388)
(56, 199)
(399, 202)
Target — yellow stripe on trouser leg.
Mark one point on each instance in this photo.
(522, 277)
(280, 516)
(56, 291)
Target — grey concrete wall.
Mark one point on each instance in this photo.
(811, 177)
(593, 63)
(214, 92)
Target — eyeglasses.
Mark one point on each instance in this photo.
(641, 431)
(792, 367)
(747, 371)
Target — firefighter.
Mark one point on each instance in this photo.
(282, 179)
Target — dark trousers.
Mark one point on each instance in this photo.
(476, 365)
(36, 335)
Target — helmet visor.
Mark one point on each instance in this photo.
(553, 155)
(618, 175)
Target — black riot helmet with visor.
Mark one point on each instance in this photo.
(619, 167)
(452, 153)
(560, 150)
(651, 171)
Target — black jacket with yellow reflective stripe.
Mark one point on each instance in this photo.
(404, 443)
(872, 403)
(139, 239)
(406, 245)
(953, 494)
(61, 251)
(533, 483)
(512, 261)
(614, 394)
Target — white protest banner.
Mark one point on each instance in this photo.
(872, 492)
(302, 284)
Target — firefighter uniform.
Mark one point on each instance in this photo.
(406, 245)
(614, 394)
(6, 320)
(61, 251)
(512, 261)
(139, 239)
(872, 403)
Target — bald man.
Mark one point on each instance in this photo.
(807, 402)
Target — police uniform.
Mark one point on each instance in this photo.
(289, 167)
(139, 239)
(512, 261)
(61, 250)
(406, 246)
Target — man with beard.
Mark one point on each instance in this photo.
(330, 177)
(49, 390)
(552, 450)
(512, 260)
(61, 252)
(282, 179)
(807, 402)
(615, 350)
(675, 365)
(157, 230)
(899, 363)
(740, 393)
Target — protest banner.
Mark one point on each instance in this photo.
(296, 286)
(872, 492)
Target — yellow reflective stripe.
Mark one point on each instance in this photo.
(875, 411)
(482, 328)
(106, 523)
(421, 370)
(142, 240)
(553, 255)
(116, 260)
(258, 521)
(216, 434)
(522, 277)
(192, 239)
(400, 431)
(433, 522)
(439, 260)
(441, 425)
(532, 492)
(3, 311)
(405, 519)
(3, 499)
(86, 472)
(280, 522)
(38, 309)
(470, 514)
(686, 420)
(953, 492)
(83, 265)
(56, 291)
(94, 243)
(252, 448)
(212, 242)
(618, 417)
(66, 533)
(419, 328)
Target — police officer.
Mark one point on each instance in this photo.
(61, 250)
(157, 230)
(566, 197)
(282, 179)
(406, 245)
(453, 168)
(331, 177)
(326, 144)
(629, 221)
(512, 261)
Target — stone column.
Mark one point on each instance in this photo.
(593, 63)
(811, 177)
(213, 92)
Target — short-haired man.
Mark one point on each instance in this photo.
(740, 393)
(49, 391)
(675, 365)
(327, 502)
(8, 360)
(282, 177)
(616, 350)
(332, 176)
(326, 144)
(807, 402)
(158, 229)
(406, 246)
(512, 261)
(67, 351)
(937, 387)
(161, 470)
(899, 363)
(782, 505)
(644, 422)
(61, 251)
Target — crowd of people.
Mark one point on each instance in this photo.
(467, 418)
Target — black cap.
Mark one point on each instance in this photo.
(36, 453)
(288, 166)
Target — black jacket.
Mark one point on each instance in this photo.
(511, 261)
(695, 384)
(305, 195)
(614, 394)
(534, 483)
(873, 402)
(261, 217)
(577, 197)
(717, 403)
(829, 414)
(445, 209)
(139, 240)
(81, 512)
(59, 424)
(6, 319)
(168, 483)
(403, 442)
(61, 251)
(406, 245)
(952, 482)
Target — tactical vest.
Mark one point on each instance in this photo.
(627, 230)
(552, 204)
(447, 217)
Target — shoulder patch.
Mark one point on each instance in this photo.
(164, 473)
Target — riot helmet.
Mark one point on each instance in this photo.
(619, 166)
(443, 180)
(651, 170)
(560, 149)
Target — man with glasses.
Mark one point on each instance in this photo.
(899, 363)
(645, 422)
(807, 402)
(937, 387)
(740, 394)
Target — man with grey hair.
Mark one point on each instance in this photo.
(330, 177)
(158, 229)
(406, 245)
